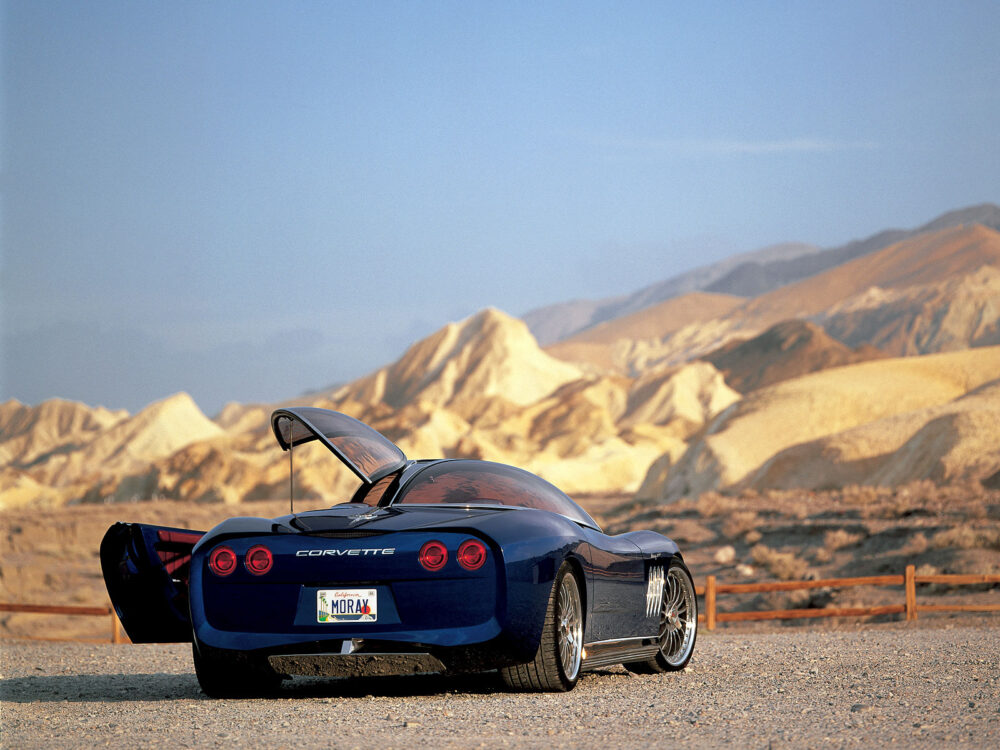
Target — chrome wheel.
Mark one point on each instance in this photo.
(678, 617)
(569, 623)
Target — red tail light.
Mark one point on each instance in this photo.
(433, 555)
(259, 560)
(472, 554)
(222, 561)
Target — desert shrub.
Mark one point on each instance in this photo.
(966, 537)
(739, 523)
(916, 545)
(838, 538)
(783, 565)
(753, 536)
(714, 504)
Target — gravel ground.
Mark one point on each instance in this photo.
(906, 685)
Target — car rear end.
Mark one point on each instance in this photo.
(346, 593)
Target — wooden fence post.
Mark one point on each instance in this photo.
(911, 592)
(710, 603)
(116, 630)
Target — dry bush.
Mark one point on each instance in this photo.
(916, 545)
(714, 504)
(739, 523)
(783, 565)
(966, 537)
(838, 538)
(753, 536)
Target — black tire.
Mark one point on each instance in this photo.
(233, 674)
(556, 666)
(678, 624)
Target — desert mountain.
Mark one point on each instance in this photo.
(598, 345)
(784, 351)
(748, 444)
(487, 355)
(954, 441)
(929, 259)
(748, 275)
(478, 388)
(112, 444)
(754, 277)
(944, 316)
(557, 322)
(633, 406)
(28, 433)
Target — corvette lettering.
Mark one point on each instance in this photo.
(367, 551)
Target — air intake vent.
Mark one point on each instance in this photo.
(345, 534)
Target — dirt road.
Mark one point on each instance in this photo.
(907, 685)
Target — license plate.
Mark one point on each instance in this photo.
(346, 605)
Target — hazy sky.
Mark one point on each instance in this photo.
(246, 200)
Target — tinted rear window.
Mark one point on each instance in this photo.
(483, 483)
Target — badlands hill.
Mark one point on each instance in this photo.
(910, 418)
(479, 388)
(623, 406)
(784, 351)
(746, 275)
(933, 292)
(596, 345)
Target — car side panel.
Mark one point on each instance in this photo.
(619, 571)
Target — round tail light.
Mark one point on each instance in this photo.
(472, 554)
(433, 555)
(259, 560)
(222, 561)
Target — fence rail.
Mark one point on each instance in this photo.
(46, 609)
(909, 607)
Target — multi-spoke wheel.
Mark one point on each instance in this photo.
(556, 665)
(678, 624)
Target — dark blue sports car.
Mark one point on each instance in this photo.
(445, 565)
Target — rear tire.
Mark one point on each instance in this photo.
(556, 666)
(678, 624)
(225, 674)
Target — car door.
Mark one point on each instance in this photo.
(618, 588)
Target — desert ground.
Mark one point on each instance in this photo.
(912, 684)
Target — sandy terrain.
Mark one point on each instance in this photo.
(907, 685)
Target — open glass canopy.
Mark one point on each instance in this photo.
(366, 452)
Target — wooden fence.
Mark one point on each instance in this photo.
(908, 606)
(45, 609)
(710, 591)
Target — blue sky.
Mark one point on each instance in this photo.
(246, 200)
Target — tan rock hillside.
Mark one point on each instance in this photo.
(125, 446)
(784, 351)
(598, 346)
(925, 259)
(955, 441)
(487, 355)
(741, 440)
(943, 316)
(931, 258)
(28, 433)
(478, 388)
